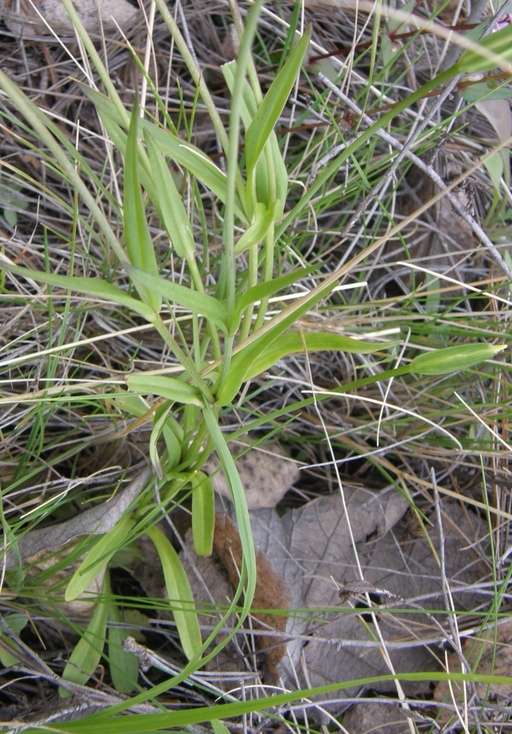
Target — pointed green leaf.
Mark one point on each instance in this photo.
(89, 286)
(272, 106)
(97, 558)
(453, 359)
(195, 162)
(170, 203)
(179, 594)
(199, 304)
(139, 245)
(296, 343)
(492, 51)
(168, 387)
(87, 653)
(203, 513)
(124, 667)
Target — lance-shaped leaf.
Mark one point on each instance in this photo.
(167, 387)
(453, 359)
(200, 304)
(97, 558)
(87, 653)
(275, 99)
(297, 342)
(139, 245)
(203, 513)
(179, 594)
(89, 286)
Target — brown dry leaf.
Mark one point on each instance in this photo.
(267, 473)
(491, 654)
(376, 718)
(31, 19)
(41, 547)
(346, 648)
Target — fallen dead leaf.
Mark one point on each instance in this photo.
(33, 19)
(267, 473)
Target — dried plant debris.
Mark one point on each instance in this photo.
(267, 473)
(488, 652)
(29, 20)
(308, 555)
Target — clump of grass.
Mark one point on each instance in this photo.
(144, 268)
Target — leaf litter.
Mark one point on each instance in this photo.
(321, 567)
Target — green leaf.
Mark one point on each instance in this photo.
(297, 342)
(248, 571)
(87, 653)
(179, 594)
(16, 623)
(272, 106)
(477, 92)
(195, 162)
(264, 218)
(199, 304)
(97, 558)
(203, 513)
(168, 387)
(492, 51)
(263, 338)
(124, 666)
(453, 359)
(139, 245)
(170, 203)
(267, 289)
(90, 286)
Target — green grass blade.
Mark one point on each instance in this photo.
(248, 570)
(203, 513)
(179, 593)
(139, 245)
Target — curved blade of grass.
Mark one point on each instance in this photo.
(98, 557)
(248, 570)
(139, 245)
(296, 343)
(167, 387)
(87, 653)
(179, 593)
(203, 513)
(200, 304)
(89, 286)
(273, 103)
(131, 723)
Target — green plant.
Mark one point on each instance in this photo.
(214, 321)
